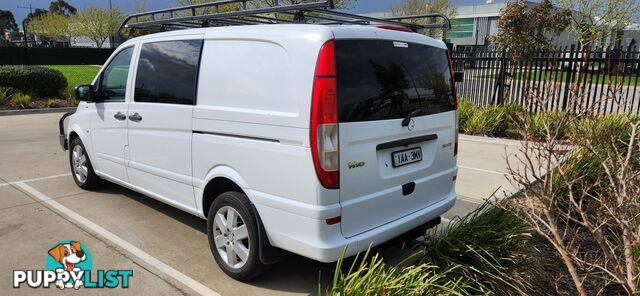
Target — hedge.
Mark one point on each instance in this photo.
(35, 80)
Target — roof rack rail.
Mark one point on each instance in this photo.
(252, 12)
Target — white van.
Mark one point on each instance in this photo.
(301, 137)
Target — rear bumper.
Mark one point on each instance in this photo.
(314, 239)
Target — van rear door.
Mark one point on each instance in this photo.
(397, 130)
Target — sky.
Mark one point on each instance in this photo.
(126, 6)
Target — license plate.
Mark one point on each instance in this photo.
(404, 157)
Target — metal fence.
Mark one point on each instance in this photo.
(53, 56)
(608, 79)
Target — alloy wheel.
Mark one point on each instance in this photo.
(79, 159)
(231, 237)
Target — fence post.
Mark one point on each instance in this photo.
(489, 83)
(501, 77)
(567, 84)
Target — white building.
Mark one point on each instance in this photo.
(474, 24)
(83, 41)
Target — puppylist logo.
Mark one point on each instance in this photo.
(69, 265)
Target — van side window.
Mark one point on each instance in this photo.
(113, 85)
(168, 72)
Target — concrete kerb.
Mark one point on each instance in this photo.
(532, 180)
(498, 195)
(489, 140)
(36, 111)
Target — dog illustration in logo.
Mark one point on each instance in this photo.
(68, 255)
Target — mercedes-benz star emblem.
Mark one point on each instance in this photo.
(412, 125)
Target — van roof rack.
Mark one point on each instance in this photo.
(253, 12)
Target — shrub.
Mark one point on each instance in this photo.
(603, 131)
(499, 121)
(36, 80)
(489, 121)
(487, 252)
(372, 277)
(483, 122)
(69, 92)
(538, 122)
(585, 165)
(21, 100)
(490, 248)
(72, 101)
(587, 207)
(56, 103)
(5, 94)
(465, 111)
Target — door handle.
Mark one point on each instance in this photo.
(135, 117)
(120, 116)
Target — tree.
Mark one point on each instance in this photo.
(342, 4)
(97, 24)
(524, 32)
(62, 7)
(36, 12)
(413, 7)
(7, 21)
(140, 6)
(593, 20)
(208, 10)
(51, 25)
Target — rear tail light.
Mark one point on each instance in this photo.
(324, 119)
(455, 101)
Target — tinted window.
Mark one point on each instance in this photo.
(113, 85)
(382, 79)
(168, 72)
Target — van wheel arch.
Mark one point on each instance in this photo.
(72, 136)
(219, 185)
(214, 188)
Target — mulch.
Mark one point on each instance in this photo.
(37, 104)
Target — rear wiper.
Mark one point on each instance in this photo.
(407, 117)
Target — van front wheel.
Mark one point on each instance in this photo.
(233, 236)
(81, 167)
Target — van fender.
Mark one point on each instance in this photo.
(86, 140)
(268, 253)
(216, 172)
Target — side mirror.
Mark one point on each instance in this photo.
(458, 76)
(84, 92)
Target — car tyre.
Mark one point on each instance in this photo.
(81, 167)
(232, 228)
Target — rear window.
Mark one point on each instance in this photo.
(385, 79)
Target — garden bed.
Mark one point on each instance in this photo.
(42, 87)
(496, 250)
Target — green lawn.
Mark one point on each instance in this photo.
(562, 77)
(77, 74)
